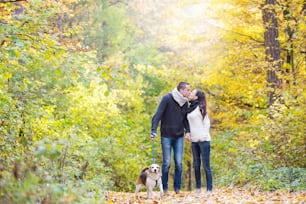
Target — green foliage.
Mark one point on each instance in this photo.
(43, 178)
(110, 33)
(243, 165)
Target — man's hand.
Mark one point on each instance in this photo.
(152, 136)
(188, 136)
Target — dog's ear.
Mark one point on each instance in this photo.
(145, 169)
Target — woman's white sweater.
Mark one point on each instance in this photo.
(199, 128)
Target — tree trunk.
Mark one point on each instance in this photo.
(272, 49)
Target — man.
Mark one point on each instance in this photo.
(172, 112)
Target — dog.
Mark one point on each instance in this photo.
(150, 177)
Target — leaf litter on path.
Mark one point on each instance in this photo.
(219, 196)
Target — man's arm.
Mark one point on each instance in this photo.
(158, 114)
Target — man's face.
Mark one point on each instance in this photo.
(186, 91)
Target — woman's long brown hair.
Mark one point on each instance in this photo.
(202, 103)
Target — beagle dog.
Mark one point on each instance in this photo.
(150, 177)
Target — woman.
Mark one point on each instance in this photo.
(199, 136)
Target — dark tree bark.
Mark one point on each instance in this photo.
(272, 49)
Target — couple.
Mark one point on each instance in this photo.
(176, 116)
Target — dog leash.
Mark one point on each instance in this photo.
(153, 160)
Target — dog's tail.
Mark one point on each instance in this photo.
(143, 175)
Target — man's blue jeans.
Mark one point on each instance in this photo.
(177, 144)
(201, 150)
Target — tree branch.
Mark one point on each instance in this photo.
(237, 33)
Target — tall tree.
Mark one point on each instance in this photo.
(272, 48)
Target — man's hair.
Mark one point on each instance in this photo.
(182, 85)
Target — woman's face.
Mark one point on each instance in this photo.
(192, 95)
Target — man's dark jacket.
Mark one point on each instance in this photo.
(173, 118)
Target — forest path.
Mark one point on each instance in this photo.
(222, 195)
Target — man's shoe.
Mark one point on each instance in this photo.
(178, 192)
(166, 193)
(208, 192)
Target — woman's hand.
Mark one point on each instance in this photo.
(188, 136)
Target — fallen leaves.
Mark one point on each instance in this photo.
(221, 195)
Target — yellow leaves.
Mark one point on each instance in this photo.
(106, 72)
(4, 77)
(232, 150)
(254, 143)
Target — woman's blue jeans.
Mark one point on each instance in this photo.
(201, 150)
(177, 144)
